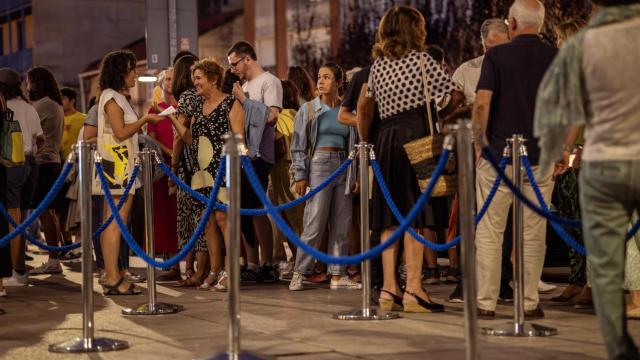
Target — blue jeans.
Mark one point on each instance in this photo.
(609, 194)
(330, 206)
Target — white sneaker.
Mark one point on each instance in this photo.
(344, 283)
(16, 279)
(544, 288)
(296, 282)
(52, 266)
(285, 269)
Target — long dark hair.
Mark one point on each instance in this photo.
(12, 91)
(114, 68)
(302, 80)
(182, 75)
(290, 95)
(43, 84)
(229, 79)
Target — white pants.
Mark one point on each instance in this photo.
(490, 232)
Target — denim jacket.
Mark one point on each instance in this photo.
(256, 115)
(304, 142)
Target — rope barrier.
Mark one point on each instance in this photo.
(129, 238)
(525, 200)
(353, 259)
(260, 212)
(123, 199)
(396, 212)
(570, 241)
(21, 228)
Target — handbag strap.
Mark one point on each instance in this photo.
(425, 91)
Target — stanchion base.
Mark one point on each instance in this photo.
(529, 330)
(241, 356)
(78, 345)
(158, 309)
(360, 314)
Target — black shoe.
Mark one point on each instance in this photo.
(506, 294)
(432, 276)
(28, 258)
(486, 314)
(536, 313)
(457, 295)
(71, 257)
(268, 274)
(247, 275)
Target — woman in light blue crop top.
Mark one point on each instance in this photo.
(320, 145)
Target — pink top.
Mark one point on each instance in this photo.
(163, 129)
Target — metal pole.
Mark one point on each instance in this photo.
(518, 327)
(151, 307)
(234, 148)
(467, 216)
(87, 343)
(366, 313)
(518, 239)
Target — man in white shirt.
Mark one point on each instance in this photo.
(21, 180)
(493, 32)
(262, 86)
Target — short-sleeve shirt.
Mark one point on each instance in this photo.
(397, 86)
(163, 129)
(72, 125)
(467, 76)
(29, 121)
(51, 121)
(513, 73)
(352, 94)
(130, 115)
(267, 89)
(92, 116)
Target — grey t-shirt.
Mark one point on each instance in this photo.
(267, 89)
(92, 116)
(52, 122)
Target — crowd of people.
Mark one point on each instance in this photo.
(297, 132)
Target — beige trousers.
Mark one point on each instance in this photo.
(490, 232)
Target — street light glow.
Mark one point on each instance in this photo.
(147, 78)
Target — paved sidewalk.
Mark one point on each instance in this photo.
(275, 322)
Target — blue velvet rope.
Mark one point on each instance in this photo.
(546, 214)
(194, 237)
(570, 241)
(35, 214)
(346, 260)
(123, 199)
(396, 212)
(260, 212)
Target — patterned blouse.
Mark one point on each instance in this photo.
(397, 86)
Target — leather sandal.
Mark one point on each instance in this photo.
(191, 281)
(421, 306)
(114, 290)
(390, 305)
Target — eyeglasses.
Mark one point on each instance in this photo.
(234, 64)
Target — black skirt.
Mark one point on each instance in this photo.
(399, 176)
(5, 252)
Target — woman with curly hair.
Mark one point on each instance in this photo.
(119, 123)
(396, 85)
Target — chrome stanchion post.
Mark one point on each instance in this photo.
(234, 148)
(518, 327)
(366, 313)
(151, 307)
(87, 343)
(467, 216)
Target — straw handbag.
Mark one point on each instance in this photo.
(423, 153)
